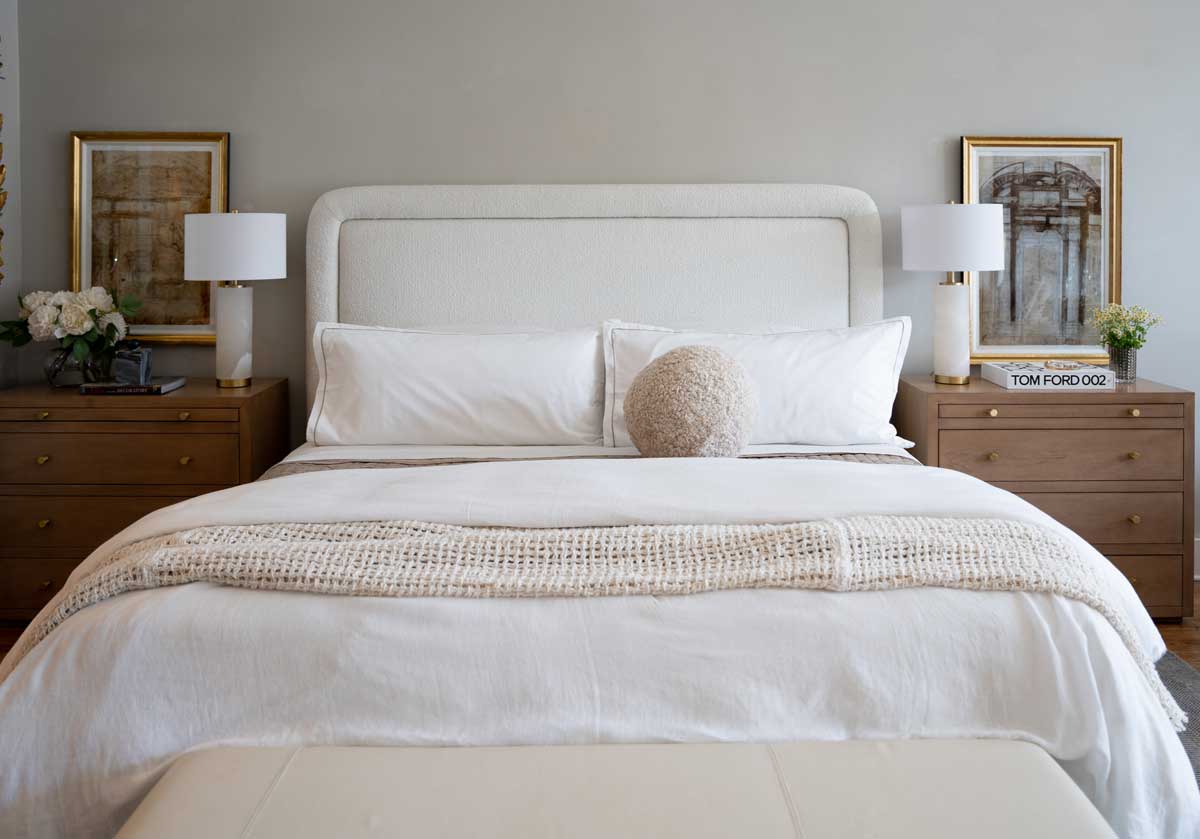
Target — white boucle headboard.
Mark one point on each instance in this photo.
(725, 256)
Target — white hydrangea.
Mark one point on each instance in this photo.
(97, 297)
(42, 322)
(33, 300)
(74, 319)
(115, 319)
(62, 298)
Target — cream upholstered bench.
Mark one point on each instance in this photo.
(912, 789)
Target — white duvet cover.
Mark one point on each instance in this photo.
(93, 716)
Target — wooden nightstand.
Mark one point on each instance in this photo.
(1114, 466)
(76, 469)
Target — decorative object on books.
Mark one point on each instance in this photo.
(132, 365)
(131, 192)
(1123, 332)
(951, 238)
(1062, 215)
(693, 401)
(230, 248)
(89, 327)
(1049, 375)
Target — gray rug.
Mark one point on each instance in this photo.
(1183, 681)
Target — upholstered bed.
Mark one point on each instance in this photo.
(421, 594)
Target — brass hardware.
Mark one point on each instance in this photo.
(43, 524)
(993, 456)
(42, 459)
(951, 380)
(1133, 580)
(233, 382)
(994, 412)
(43, 415)
(185, 460)
(1135, 519)
(183, 415)
(46, 585)
(1134, 455)
(1135, 412)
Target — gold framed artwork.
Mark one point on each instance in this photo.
(131, 192)
(1062, 229)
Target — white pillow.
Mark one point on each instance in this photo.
(381, 386)
(826, 387)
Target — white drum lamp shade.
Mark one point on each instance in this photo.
(229, 249)
(951, 238)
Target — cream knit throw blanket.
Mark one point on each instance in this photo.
(415, 559)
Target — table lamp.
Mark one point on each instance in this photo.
(229, 249)
(950, 238)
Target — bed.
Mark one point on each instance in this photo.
(107, 689)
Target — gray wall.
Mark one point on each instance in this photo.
(10, 220)
(327, 93)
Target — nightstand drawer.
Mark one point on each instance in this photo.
(1065, 455)
(1086, 410)
(1116, 517)
(50, 414)
(1158, 580)
(28, 584)
(51, 521)
(210, 459)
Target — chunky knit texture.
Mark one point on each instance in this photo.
(416, 559)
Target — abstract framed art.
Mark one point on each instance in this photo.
(1062, 228)
(131, 192)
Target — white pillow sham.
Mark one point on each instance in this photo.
(826, 387)
(380, 386)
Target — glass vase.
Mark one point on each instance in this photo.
(1123, 362)
(63, 369)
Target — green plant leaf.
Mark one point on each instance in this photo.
(80, 350)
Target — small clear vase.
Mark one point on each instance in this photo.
(1123, 362)
(63, 369)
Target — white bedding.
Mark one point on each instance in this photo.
(93, 716)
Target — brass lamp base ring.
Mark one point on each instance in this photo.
(233, 382)
(951, 380)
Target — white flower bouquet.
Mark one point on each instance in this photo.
(88, 325)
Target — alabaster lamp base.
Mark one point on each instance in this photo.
(235, 332)
(951, 342)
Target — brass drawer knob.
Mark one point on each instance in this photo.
(1135, 519)
(43, 524)
(1134, 455)
(993, 412)
(1135, 412)
(185, 460)
(42, 459)
(46, 585)
(1133, 580)
(993, 456)
(183, 415)
(43, 415)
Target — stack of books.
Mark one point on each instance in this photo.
(1036, 375)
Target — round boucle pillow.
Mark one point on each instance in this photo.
(694, 401)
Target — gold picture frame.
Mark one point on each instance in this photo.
(130, 191)
(1085, 173)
